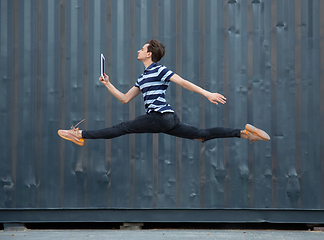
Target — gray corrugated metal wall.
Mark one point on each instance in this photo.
(265, 56)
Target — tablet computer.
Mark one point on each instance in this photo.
(102, 65)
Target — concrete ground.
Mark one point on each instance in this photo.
(161, 234)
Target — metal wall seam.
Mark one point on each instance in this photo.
(321, 79)
(15, 96)
(227, 186)
(190, 71)
(85, 101)
(104, 149)
(92, 161)
(118, 78)
(220, 164)
(310, 99)
(73, 98)
(265, 149)
(155, 170)
(62, 99)
(34, 173)
(38, 132)
(138, 109)
(210, 86)
(317, 83)
(298, 113)
(6, 96)
(25, 109)
(45, 114)
(94, 167)
(167, 142)
(282, 88)
(108, 108)
(293, 190)
(202, 120)
(250, 76)
(274, 132)
(311, 96)
(132, 50)
(179, 102)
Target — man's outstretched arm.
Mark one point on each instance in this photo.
(212, 97)
(123, 98)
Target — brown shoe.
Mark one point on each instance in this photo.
(255, 134)
(72, 135)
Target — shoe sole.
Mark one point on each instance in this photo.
(81, 143)
(262, 134)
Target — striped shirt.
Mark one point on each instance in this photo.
(153, 83)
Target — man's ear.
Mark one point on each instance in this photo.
(149, 54)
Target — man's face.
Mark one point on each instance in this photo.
(142, 54)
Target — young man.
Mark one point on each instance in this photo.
(160, 117)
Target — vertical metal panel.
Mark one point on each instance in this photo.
(215, 163)
(178, 56)
(202, 164)
(4, 96)
(298, 126)
(62, 42)
(274, 149)
(155, 169)
(169, 13)
(310, 99)
(225, 89)
(190, 151)
(107, 38)
(132, 49)
(322, 99)
(38, 128)
(247, 168)
(14, 109)
(265, 56)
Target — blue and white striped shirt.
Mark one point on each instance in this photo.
(153, 83)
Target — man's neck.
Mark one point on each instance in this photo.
(147, 63)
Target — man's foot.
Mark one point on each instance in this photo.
(73, 135)
(254, 134)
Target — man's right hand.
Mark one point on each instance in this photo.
(105, 80)
(123, 98)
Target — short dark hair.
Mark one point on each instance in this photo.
(156, 48)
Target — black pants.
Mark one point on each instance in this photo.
(155, 122)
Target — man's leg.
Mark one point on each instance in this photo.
(141, 124)
(186, 131)
(190, 132)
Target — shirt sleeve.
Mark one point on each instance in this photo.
(137, 84)
(166, 74)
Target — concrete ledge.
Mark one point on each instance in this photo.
(14, 227)
(162, 215)
(132, 226)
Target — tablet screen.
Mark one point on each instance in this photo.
(102, 65)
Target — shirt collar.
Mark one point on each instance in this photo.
(150, 67)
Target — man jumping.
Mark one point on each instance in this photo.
(160, 117)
